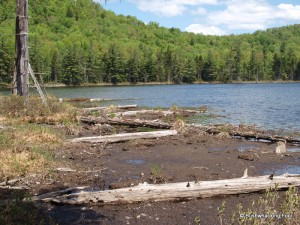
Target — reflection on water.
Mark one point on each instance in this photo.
(135, 161)
(293, 149)
(269, 106)
(243, 148)
(286, 169)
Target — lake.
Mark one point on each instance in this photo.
(268, 106)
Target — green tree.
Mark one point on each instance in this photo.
(199, 63)
(189, 71)
(276, 66)
(5, 64)
(55, 67)
(297, 72)
(72, 74)
(208, 73)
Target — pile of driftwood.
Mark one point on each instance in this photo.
(121, 119)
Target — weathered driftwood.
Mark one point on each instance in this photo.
(104, 108)
(125, 137)
(134, 113)
(11, 182)
(248, 135)
(281, 148)
(84, 99)
(126, 122)
(15, 187)
(152, 111)
(173, 191)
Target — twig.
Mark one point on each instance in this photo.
(15, 188)
(200, 168)
(64, 170)
(89, 152)
(11, 182)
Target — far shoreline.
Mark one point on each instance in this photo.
(4, 86)
(164, 83)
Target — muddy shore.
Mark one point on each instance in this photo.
(190, 155)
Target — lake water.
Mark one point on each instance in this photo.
(268, 106)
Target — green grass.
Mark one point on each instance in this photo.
(16, 211)
(286, 210)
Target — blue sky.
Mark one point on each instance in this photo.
(216, 17)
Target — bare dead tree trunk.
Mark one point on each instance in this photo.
(21, 74)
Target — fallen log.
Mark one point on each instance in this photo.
(134, 113)
(174, 191)
(84, 99)
(213, 129)
(124, 137)
(164, 112)
(105, 108)
(126, 122)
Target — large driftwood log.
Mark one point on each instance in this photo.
(104, 108)
(126, 122)
(125, 137)
(152, 111)
(134, 113)
(174, 191)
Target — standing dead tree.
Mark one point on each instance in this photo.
(21, 74)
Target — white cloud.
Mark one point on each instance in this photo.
(226, 16)
(251, 15)
(246, 15)
(169, 8)
(205, 29)
(289, 11)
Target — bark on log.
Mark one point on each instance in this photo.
(174, 191)
(134, 113)
(248, 135)
(127, 122)
(164, 112)
(125, 137)
(104, 108)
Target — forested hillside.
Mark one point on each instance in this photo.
(75, 42)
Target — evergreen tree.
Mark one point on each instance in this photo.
(72, 74)
(276, 67)
(297, 72)
(133, 69)
(5, 64)
(189, 72)
(168, 63)
(177, 73)
(54, 67)
(199, 62)
(208, 73)
(113, 65)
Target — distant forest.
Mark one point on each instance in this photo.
(76, 42)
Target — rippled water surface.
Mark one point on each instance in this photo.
(270, 106)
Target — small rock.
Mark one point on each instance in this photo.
(138, 216)
(246, 157)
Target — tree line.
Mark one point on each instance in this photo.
(79, 42)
